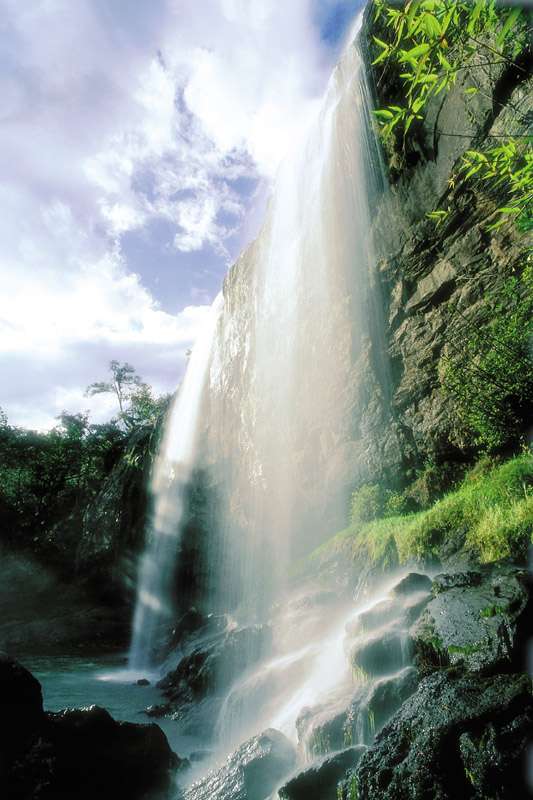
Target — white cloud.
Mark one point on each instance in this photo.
(114, 116)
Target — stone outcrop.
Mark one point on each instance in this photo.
(457, 736)
(435, 279)
(208, 663)
(319, 782)
(474, 620)
(464, 730)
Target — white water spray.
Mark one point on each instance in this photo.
(173, 467)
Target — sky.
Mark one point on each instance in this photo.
(139, 141)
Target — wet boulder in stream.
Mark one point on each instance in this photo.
(213, 664)
(319, 781)
(253, 772)
(474, 620)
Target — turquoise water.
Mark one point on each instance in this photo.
(76, 682)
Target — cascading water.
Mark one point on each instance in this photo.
(294, 360)
(172, 469)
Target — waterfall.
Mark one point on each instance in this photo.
(295, 353)
(172, 470)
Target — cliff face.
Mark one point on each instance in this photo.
(435, 279)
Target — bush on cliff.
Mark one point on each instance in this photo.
(487, 369)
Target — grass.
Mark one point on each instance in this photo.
(489, 516)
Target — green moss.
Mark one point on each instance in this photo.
(359, 675)
(491, 611)
(488, 516)
(467, 650)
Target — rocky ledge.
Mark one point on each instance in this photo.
(465, 731)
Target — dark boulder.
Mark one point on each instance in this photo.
(382, 653)
(212, 665)
(253, 772)
(354, 719)
(95, 756)
(374, 706)
(321, 729)
(319, 781)
(456, 580)
(457, 736)
(473, 621)
(82, 753)
(413, 582)
(21, 708)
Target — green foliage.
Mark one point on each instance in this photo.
(367, 503)
(487, 368)
(432, 40)
(47, 478)
(489, 516)
(397, 503)
(429, 43)
(509, 168)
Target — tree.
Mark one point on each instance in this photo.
(136, 400)
(124, 382)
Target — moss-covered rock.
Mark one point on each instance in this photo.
(473, 620)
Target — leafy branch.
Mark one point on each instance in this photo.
(430, 42)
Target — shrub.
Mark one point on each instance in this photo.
(487, 370)
(367, 503)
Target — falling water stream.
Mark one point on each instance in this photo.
(174, 463)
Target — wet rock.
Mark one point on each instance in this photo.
(456, 580)
(321, 729)
(473, 623)
(356, 718)
(96, 756)
(253, 772)
(199, 755)
(21, 705)
(414, 582)
(457, 736)
(82, 753)
(382, 613)
(373, 707)
(319, 782)
(213, 665)
(156, 711)
(381, 653)
(143, 682)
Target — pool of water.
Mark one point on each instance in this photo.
(79, 681)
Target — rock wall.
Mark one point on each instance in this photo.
(435, 278)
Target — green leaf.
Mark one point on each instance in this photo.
(414, 53)
(383, 113)
(432, 26)
(472, 90)
(510, 20)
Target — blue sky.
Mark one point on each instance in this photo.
(138, 145)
